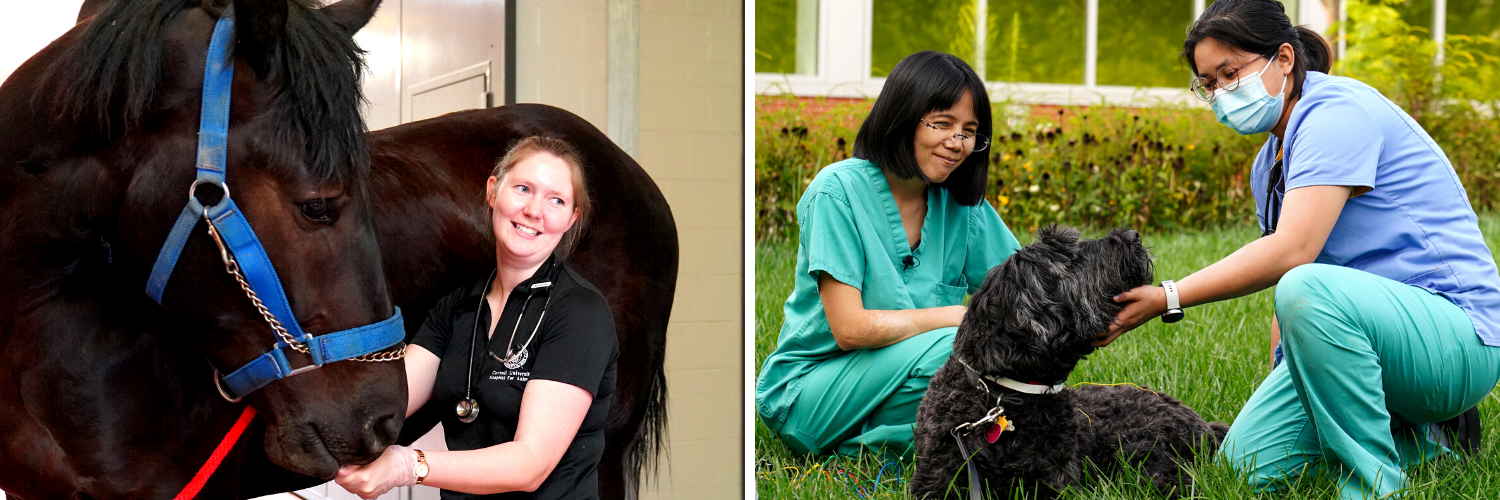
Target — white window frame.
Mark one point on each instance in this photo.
(845, 28)
(844, 42)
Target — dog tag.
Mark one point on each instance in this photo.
(1001, 425)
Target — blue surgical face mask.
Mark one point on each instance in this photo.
(1249, 109)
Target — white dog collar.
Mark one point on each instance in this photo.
(1014, 384)
(1017, 385)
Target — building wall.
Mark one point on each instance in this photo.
(692, 142)
(562, 56)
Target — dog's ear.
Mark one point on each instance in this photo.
(1060, 241)
(1012, 316)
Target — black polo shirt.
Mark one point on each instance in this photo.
(574, 344)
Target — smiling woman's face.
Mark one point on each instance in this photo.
(532, 207)
(937, 152)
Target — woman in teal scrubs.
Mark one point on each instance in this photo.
(1387, 297)
(889, 243)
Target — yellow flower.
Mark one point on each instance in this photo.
(1004, 200)
(1027, 166)
(1192, 147)
(1005, 157)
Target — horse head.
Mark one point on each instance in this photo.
(101, 135)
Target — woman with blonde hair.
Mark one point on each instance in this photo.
(522, 361)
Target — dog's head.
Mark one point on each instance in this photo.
(1036, 314)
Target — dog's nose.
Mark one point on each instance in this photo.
(1131, 236)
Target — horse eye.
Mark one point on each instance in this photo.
(318, 211)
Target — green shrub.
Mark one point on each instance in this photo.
(1457, 102)
(1161, 168)
(1151, 168)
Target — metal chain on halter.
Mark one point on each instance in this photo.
(234, 269)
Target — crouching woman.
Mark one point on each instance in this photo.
(889, 243)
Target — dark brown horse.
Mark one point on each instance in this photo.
(106, 394)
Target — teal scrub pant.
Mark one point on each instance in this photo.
(866, 399)
(1364, 356)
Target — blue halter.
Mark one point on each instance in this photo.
(238, 240)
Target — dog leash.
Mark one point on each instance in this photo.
(994, 423)
(973, 472)
(994, 418)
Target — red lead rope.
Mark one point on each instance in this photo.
(192, 488)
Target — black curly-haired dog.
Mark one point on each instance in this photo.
(1026, 328)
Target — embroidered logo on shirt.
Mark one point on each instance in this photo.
(518, 360)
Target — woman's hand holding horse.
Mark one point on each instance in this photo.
(393, 469)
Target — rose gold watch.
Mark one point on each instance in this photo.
(420, 470)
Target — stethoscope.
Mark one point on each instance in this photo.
(468, 409)
(1275, 178)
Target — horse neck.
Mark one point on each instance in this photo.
(63, 292)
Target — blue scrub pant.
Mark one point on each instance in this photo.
(1362, 353)
(866, 399)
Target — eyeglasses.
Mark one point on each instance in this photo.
(979, 140)
(1205, 88)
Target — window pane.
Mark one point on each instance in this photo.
(901, 27)
(1475, 18)
(1036, 41)
(1139, 41)
(1417, 13)
(786, 36)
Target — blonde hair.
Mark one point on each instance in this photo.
(529, 146)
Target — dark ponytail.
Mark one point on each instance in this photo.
(1260, 27)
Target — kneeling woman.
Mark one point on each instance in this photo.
(1387, 297)
(889, 243)
(537, 385)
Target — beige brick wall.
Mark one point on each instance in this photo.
(692, 142)
(562, 56)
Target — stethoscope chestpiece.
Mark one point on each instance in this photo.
(467, 410)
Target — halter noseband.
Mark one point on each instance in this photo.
(243, 255)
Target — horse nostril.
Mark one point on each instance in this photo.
(1131, 236)
(383, 432)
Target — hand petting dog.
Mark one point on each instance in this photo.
(1143, 303)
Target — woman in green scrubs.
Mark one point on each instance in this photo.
(889, 243)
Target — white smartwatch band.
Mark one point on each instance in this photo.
(1174, 307)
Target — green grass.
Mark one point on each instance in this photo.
(1212, 361)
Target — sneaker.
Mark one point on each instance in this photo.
(1458, 433)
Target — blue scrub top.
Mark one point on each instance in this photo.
(1415, 225)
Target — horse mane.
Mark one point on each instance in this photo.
(106, 81)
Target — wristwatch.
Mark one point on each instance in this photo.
(420, 470)
(1174, 308)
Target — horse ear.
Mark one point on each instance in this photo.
(259, 25)
(90, 7)
(351, 14)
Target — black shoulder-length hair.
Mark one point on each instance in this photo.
(1260, 27)
(921, 83)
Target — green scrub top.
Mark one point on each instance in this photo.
(850, 228)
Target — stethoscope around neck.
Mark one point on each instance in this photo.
(468, 408)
